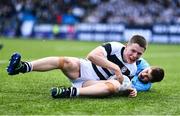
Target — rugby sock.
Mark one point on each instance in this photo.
(77, 94)
(25, 67)
(74, 91)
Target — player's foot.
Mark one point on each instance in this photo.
(62, 92)
(14, 64)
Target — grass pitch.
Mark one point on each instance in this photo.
(29, 94)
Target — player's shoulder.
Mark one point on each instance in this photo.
(141, 61)
(113, 47)
(116, 44)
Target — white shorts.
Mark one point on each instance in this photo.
(86, 73)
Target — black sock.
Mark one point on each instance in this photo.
(25, 67)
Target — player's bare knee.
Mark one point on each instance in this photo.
(62, 62)
(112, 86)
(67, 63)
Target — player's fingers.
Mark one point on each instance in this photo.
(133, 93)
(120, 78)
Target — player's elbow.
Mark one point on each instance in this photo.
(96, 54)
(91, 57)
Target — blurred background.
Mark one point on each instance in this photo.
(91, 20)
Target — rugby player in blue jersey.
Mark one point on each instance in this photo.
(146, 75)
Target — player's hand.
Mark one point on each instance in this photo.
(119, 75)
(132, 92)
(120, 78)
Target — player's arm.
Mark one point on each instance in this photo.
(98, 57)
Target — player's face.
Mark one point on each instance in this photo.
(132, 53)
(145, 75)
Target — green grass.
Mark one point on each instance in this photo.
(28, 94)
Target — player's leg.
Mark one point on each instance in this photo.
(69, 65)
(17, 66)
(101, 88)
(126, 83)
(124, 88)
(95, 88)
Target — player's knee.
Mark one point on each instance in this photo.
(113, 86)
(62, 61)
(65, 63)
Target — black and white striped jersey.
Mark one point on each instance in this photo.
(114, 53)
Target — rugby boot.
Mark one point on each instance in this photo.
(15, 64)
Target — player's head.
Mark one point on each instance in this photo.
(135, 49)
(140, 40)
(151, 74)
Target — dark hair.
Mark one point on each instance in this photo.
(157, 74)
(140, 40)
